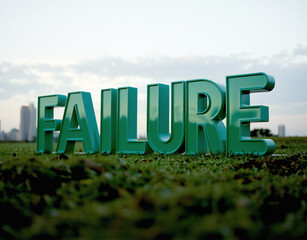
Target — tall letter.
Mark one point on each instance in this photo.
(108, 120)
(205, 131)
(158, 134)
(126, 141)
(45, 122)
(79, 124)
(240, 113)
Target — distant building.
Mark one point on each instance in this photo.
(24, 123)
(27, 123)
(32, 123)
(56, 136)
(13, 135)
(281, 131)
(2, 136)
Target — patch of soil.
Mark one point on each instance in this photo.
(284, 167)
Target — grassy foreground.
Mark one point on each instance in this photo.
(74, 196)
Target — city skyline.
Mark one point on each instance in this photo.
(27, 126)
(28, 130)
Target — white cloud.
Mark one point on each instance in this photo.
(21, 81)
(295, 124)
(288, 108)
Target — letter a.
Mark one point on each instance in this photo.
(79, 124)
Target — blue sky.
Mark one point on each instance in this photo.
(50, 47)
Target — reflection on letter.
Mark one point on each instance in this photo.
(205, 131)
(46, 125)
(126, 141)
(158, 134)
(79, 124)
(108, 121)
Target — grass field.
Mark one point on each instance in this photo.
(78, 196)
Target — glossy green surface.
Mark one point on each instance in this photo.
(126, 141)
(45, 122)
(240, 113)
(108, 120)
(205, 110)
(158, 134)
(197, 110)
(79, 124)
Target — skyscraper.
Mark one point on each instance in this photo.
(32, 123)
(24, 123)
(281, 131)
(27, 123)
(2, 134)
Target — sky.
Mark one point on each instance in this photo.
(56, 47)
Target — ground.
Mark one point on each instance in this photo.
(154, 196)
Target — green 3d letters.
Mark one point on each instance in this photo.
(240, 113)
(205, 131)
(46, 124)
(158, 117)
(198, 108)
(127, 123)
(79, 124)
(108, 121)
